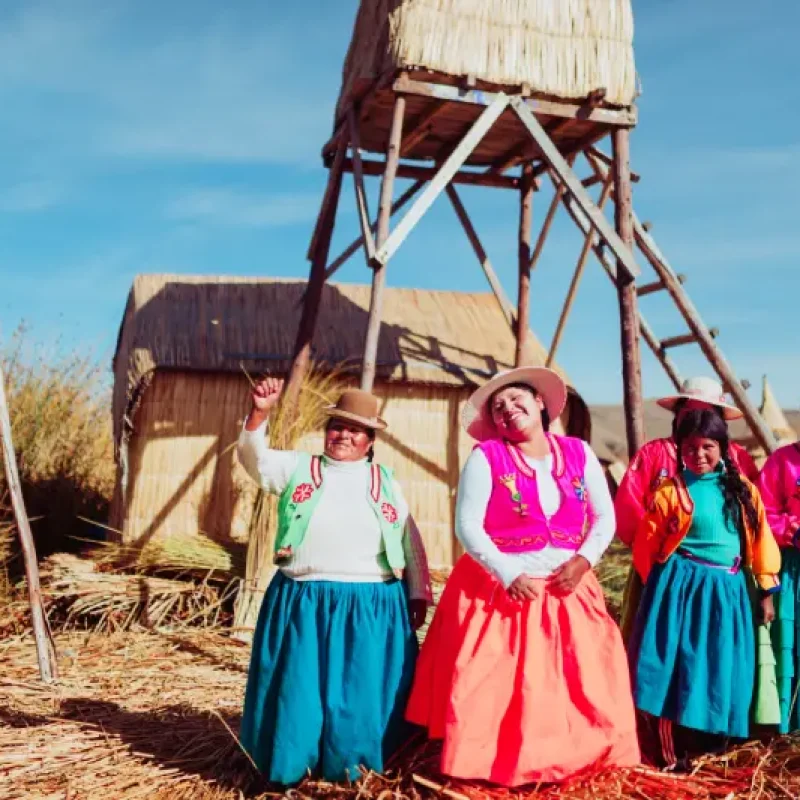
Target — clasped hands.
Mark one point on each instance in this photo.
(561, 583)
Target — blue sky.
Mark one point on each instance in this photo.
(184, 137)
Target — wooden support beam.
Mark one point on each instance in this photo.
(506, 307)
(712, 353)
(524, 265)
(301, 358)
(360, 189)
(45, 646)
(588, 243)
(558, 193)
(328, 197)
(357, 243)
(417, 173)
(565, 174)
(422, 127)
(550, 108)
(626, 288)
(685, 338)
(445, 174)
(656, 286)
(572, 152)
(608, 161)
(611, 270)
(371, 340)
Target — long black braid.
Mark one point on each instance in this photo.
(709, 424)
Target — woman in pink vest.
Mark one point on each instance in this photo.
(523, 674)
(779, 483)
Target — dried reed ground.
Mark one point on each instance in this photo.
(152, 715)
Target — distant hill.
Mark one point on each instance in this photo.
(608, 428)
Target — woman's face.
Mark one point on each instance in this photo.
(701, 455)
(346, 441)
(516, 412)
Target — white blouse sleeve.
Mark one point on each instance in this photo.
(474, 491)
(602, 531)
(270, 469)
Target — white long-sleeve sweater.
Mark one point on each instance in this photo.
(474, 491)
(343, 541)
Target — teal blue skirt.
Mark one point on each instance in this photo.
(786, 639)
(692, 651)
(330, 673)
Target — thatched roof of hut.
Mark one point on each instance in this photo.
(213, 324)
(560, 48)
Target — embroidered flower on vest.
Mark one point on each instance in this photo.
(672, 525)
(659, 479)
(389, 512)
(302, 493)
(579, 485)
(510, 482)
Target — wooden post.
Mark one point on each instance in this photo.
(626, 288)
(379, 271)
(316, 281)
(588, 243)
(45, 647)
(524, 290)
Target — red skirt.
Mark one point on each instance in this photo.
(524, 692)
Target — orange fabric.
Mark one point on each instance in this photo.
(523, 692)
(667, 521)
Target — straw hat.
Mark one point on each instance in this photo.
(477, 421)
(359, 407)
(704, 390)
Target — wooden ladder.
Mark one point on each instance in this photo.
(671, 282)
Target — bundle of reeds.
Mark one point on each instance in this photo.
(565, 49)
(78, 595)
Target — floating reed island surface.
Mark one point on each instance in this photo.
(566, 49)
(142, 714)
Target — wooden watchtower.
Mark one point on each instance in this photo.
(503, 95)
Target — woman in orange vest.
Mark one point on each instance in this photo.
(692, 650)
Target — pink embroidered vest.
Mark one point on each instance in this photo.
(514, 517)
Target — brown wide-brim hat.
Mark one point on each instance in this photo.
(357, 406)
(476, 419)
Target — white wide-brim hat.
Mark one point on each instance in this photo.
(703, 390)
(477, 420)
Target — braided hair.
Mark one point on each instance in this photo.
(709, 424)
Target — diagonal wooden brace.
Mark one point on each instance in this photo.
(561, 168)
(442, 178)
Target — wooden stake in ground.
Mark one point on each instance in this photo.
(524, 250)
(45, 648)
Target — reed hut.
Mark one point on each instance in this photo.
(181, 392)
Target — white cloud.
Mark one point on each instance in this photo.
(241, 209)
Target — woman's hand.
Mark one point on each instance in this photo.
(417, 611)
(264, 397)
(767, 609)
(522, 588)
(566, 578)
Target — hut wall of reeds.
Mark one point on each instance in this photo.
(565, 49)
(186, 348)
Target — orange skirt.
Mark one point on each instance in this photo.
(524, 692)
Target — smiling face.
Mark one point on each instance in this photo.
(347, 441)
(516, 412)
(701, 455)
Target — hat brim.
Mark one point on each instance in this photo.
(375, 424)
(547, 383)
(729, 412)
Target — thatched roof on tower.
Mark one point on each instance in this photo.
(564, 49)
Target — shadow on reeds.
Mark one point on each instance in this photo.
(189, 646)
(178, 736)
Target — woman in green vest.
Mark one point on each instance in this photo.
(334, 648)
